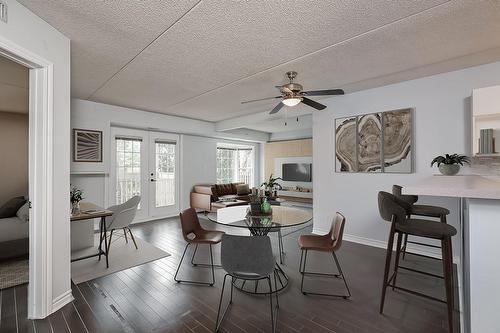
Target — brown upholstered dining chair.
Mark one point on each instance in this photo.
(330, 242)
(193, 233)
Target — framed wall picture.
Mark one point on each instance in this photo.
(346, 147)
(87, 145)
(375, 142)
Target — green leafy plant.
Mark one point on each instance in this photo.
(450, 159)
(76, 195)
(272, 183)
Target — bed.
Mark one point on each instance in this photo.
(13, 237)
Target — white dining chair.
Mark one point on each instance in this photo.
(122, 217)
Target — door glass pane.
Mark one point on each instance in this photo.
(128, 169)
(165, 174)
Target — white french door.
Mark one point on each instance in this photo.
(145, 163)
(163, 174)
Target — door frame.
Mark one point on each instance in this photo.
(40, 179)
(146, 136)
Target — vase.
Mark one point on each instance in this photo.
(75, 208)
(449, 169)
(265, 207)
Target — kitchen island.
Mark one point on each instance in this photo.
(478, 266)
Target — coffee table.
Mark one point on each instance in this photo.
(230, 203)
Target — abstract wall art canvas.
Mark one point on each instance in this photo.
(376, 142)
(397, 141)
(346, 147)
(369, 143)
(87, 145)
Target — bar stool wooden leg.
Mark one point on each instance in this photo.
(447, 257)
(388, 256)
(405, 244)
(398, 254)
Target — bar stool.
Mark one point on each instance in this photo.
(330, 242)
(193, 233)
(419, 210)
(396, 211)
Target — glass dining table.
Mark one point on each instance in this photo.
(260, 225)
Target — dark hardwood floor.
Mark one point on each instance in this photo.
(146, 298)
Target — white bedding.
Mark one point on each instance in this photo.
(12, 228)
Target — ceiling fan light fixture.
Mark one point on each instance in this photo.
(292, 101)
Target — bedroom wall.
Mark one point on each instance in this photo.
(441, 125)
(14, 155)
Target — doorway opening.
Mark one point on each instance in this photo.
(14, 177)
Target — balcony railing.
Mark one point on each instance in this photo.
(131, 185)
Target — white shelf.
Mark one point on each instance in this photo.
(488, 155)
(296, 194)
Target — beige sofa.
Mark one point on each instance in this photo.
(208, 198)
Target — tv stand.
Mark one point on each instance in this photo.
(296, 198)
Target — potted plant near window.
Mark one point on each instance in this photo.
(449, 164)
(271, 186)
(76, 195)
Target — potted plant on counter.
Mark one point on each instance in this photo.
(449, 164)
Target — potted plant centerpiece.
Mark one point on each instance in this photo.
(76, 195)
(449, 164)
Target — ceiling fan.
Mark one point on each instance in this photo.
(292, 94)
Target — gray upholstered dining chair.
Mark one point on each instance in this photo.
(122, 217)
(247, 258)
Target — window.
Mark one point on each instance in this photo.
(128, 169)
(235, 164)
(165, 173)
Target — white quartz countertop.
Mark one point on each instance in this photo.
(466, 186)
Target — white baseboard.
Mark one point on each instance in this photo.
(62, 300)
(435, 253)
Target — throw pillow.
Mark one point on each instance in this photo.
(10, 208)
(24, 212)
(242, 189)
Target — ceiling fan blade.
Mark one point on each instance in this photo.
(313, 104)
(276, 108)
(261, 99)
(323, 92)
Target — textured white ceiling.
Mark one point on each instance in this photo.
(219, 53)
(13, 87)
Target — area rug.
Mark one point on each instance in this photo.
(13, 273)
(122, 255)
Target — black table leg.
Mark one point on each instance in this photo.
(106, 245)
(100, 238)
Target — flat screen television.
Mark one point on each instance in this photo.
(296, 172)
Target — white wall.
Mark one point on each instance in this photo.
(31, 33)
(441, 123)
(198, 146)
(291, 135)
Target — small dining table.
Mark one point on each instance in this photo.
(259, 225)
(90, 211)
